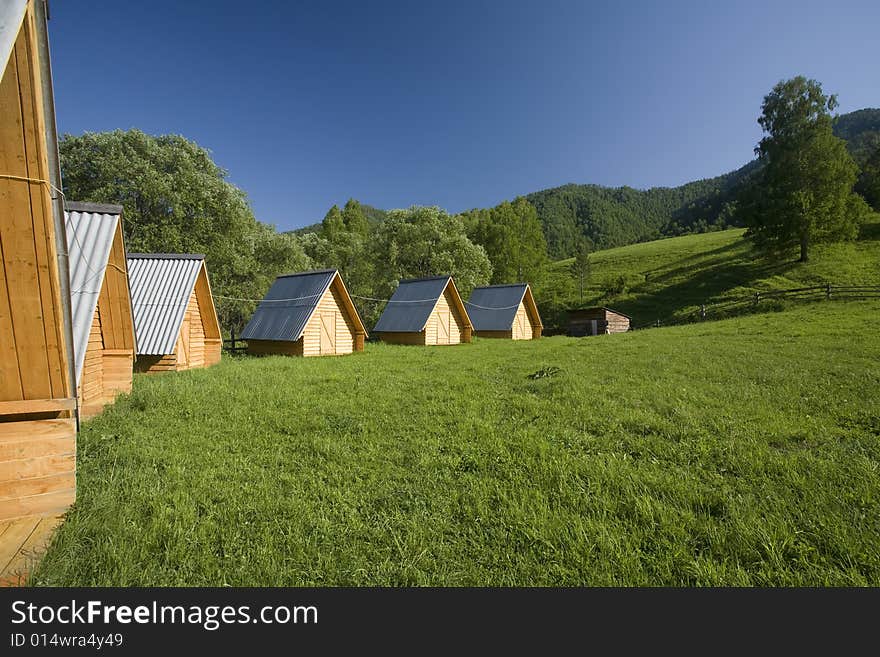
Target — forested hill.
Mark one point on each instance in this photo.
(618, 216)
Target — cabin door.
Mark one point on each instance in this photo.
(185, 339)
(328, 333)
(442, 327)
(519, 325)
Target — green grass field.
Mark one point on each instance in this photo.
(670, 278)
(738, 452)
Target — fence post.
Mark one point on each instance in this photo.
(757, 297)
(702, 311)
(828, 291)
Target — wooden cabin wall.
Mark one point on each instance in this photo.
(211, 342)
(617, 323)
(91, 386)
(34, 361)
(273, 347)
(445, 314)
(508, 335)
(522, 324)
(37, 427)
(411, 338)
(156, 364)
(330, 330)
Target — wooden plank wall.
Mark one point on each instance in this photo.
(156, 364)
(522, 325)
(37, 428)
(413, 338)
(34, 360)
(495, 334)
(617, 323)
(446, 304)
(331, 303)
(91, 392)
(280, 347)
(196, 333)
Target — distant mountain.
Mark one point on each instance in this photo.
(622, 215)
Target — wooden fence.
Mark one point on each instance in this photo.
(724, 307)
(229, 344)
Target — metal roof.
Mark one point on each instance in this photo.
(411, 304)
(89, 242)
(493, 308)
(595, 308)
(11, 15)
(285, 310)
(161, 285)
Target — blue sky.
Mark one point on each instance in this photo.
(456, 104)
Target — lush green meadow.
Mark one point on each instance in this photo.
(738, 452)
(670, 278)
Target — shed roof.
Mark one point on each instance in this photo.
(289, 304)
(161, 285)
(90, 235)
(597, 308)
(411, 305)
(493, 307)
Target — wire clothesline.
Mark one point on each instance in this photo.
(357, 296)
(94, 272)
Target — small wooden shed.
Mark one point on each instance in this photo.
(425, 311)
(505, 311)
(37, 397)
(597, 321)
(175, 321)
(100, 302)
(306, 314)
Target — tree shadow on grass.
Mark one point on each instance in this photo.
(720, 280)
(707, 259)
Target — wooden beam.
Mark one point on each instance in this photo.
(37, 406)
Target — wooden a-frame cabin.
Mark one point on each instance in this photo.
(175, 320)
(306, 314)
(425, 311)
(103, 327)
(37, 391)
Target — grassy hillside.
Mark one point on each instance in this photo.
(670, 278)
(739, 452)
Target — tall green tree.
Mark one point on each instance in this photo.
(427, 241)
(513, 238)
(868, 184)
(354, 219)
(177, 200)
(332, 226)
(803, 192)
(580, 266)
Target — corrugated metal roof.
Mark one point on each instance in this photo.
(596, 309)
(89, 242)
(11, 15)
(493, 308)
(411, 304)
(288, 305)
(161, 285)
